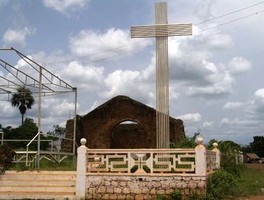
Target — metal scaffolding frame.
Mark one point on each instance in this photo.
(39, 80)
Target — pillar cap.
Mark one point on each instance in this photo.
(199, 140)
(83, 141)
(215, 145)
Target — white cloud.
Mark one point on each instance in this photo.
(60, 107)
(97, 45)
(85, 76)
(253, 110)
(149, 73)
(65, 6)
(203, 10)
(129, 83)
(239, 65)
(193, 117)
(233, 105)
(119, 81)
(17, 36)
(219, 42)
(256, 108)
(55, 111)
(192, 64)
(238, 122)
(215, 90)
(95, 105)
(7, 111)
(208, 124)
(259, 94)
(173, 94)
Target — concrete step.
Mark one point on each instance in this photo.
(39, 175)
(39, 172)
(37, 189)
(38, 185)
(7, 182)
(42, 196)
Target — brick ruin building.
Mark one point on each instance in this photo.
(106, 127)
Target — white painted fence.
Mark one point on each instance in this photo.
(138, 161)
(161, 162)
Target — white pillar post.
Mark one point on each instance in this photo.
(81, 170)
(200, 158)
(218, 155)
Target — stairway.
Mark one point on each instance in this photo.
(59, 185)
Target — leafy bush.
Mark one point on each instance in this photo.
(229, 155)
(221, 185)
(229, 152)
(6, 157)
(161, 197)
(176, 195)
(185, 142)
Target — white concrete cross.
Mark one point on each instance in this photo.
(161, 30)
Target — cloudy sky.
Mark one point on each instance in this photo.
(216, 75)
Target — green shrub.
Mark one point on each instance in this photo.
(6, 157)
(185, 142)
(161, 197)
(229, 152)
(221, 185)
(176, 195)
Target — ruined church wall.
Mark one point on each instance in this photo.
(98, 125)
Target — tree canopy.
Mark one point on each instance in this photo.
(257, 145)
(22, 99)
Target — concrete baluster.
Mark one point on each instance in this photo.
(81, 170)
(200, 158)
(218, 155)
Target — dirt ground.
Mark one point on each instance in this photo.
(256, 166)
(260, 197)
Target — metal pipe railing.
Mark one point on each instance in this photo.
(28, 146)
(2, 137)
(37, 135)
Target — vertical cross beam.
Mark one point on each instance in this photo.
(161, 30)
(162, 80)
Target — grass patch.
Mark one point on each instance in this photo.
(251, 180)
(248, 181)
(68, 164)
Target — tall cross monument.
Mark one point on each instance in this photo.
(161, 30)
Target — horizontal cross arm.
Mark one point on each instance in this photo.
(161, 30)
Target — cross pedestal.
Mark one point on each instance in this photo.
(161, 30)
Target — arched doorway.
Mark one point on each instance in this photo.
(128, 134)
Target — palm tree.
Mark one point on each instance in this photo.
(22, 99)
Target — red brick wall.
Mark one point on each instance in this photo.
(100, 126)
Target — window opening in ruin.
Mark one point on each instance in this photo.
(128, 134)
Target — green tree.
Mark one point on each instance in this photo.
(257, 145)
(211, 142)
(22, 99)
(24, 132)
(229, 155)
(246, 149)
(58, 131)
